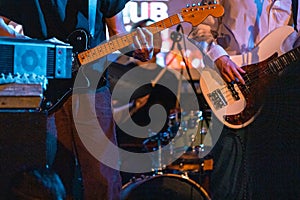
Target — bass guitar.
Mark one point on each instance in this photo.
(84, 56)
(237, 105)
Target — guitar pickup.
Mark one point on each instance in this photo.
(234, 93)
(217, 99)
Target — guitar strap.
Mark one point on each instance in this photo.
(295, 12)
(77, 182)
(92, 6)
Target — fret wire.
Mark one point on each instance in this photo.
(163, 22)
(278, 65)
(96, 50)
(109, 47)
(152, 28)
(281, 63)
(124, 40)
(119, 41)
(297, 51)
(159, 24)
(168, 22)
(130, 38)
(112, 45)
(271, 66)
(171, 21)
(105, 45)
(275, 66)
(266, 71)
(285, 60)
(116, 44)
(290, 57)
(174, 20)
(86, 55)
(102, 49)
(293, 57)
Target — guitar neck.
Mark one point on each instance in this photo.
(194, 15)
(123, 41)
(277, 65)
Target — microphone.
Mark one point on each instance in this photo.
(178, 27)
(175, 35)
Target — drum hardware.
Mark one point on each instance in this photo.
(188, 127)
(194, 162)
(190, 131)
(183, 178)
(186, 154)
(198, 138)
(159, 168)
(158, 139)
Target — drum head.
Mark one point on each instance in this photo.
(168, 186)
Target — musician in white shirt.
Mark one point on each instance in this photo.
(241, 28)
(243, 25)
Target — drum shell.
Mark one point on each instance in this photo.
(166, 186)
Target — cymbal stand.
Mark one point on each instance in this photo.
(201, 132)
(158, 166)
(157, 161)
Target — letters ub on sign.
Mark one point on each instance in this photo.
(137, 10)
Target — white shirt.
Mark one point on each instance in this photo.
(244, 24)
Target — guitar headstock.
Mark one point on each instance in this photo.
(196, 13)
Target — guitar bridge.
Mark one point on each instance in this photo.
(217, 99)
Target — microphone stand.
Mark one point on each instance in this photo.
(200, 148)
(202, 107)
(176, 38)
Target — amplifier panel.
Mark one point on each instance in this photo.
(31, 56)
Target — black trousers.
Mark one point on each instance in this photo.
(273, 147)
(229, 178)
(262, 161)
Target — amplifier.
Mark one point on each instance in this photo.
(25, 143)
(31, 56)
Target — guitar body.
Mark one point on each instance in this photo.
(58, 90)
(237, 105)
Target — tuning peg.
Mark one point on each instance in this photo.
(188, 5)
(204, 2)
(133, 179)
(193, 5)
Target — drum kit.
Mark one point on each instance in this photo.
(181, 168)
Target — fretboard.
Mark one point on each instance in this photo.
(278, 64)
(123, 41)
